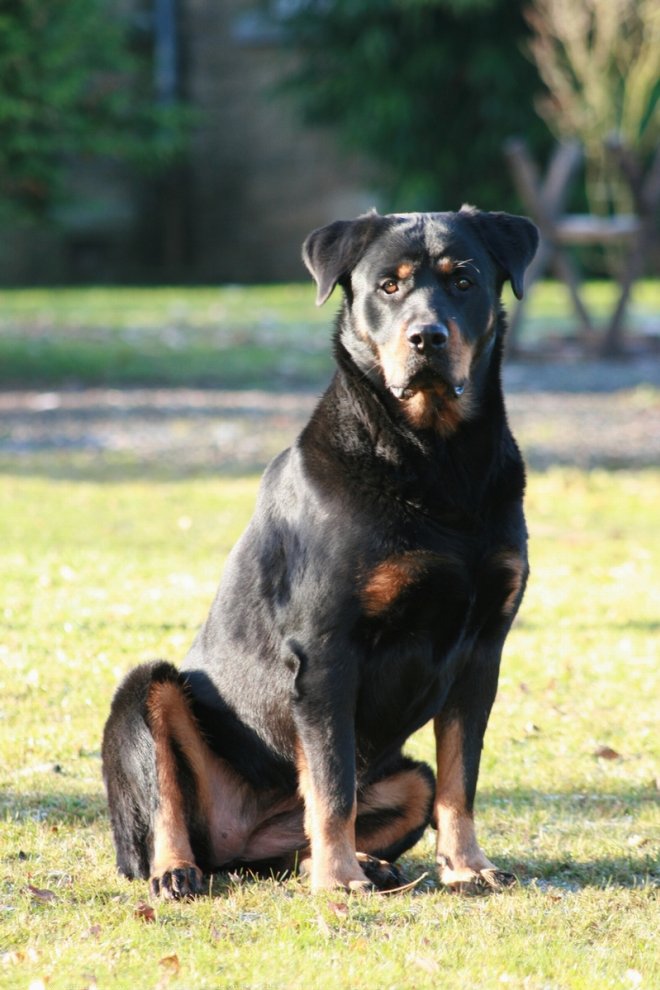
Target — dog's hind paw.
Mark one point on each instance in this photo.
(179, 883)
(383, 875)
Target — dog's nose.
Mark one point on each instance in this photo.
(427, 337)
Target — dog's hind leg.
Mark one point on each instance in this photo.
(392, 815)
(149, 742)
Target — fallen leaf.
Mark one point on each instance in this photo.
(43, 896)
(94, 931)
(145, 912)
(12, 958)
(360, 945)
(607, 753)
(170, 963)
(339, 909)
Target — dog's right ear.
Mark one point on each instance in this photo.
(332, 252)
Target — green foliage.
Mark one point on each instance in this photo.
(73, 83)
(426, 89)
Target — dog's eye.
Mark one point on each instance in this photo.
(462, 283)
(389, 286)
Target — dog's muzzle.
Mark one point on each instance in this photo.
(429, 362)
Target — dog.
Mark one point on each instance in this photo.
(371, 593)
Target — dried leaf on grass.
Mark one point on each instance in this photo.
(339, 909)
(41, 895)
(145, 912)
(607, 753)
(170, 963)
(19, 956)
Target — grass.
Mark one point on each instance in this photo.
(106, 563)
(229, 336)
(100, 575)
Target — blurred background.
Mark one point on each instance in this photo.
(200, 140)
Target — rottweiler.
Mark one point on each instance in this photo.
(371, 593)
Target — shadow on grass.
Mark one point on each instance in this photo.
(630, 869)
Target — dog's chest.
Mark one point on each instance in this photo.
(422, 609)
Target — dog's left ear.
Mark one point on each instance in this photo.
(512, 241)
(332, 252)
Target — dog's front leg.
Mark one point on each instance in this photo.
(324, 717)
(459, 732)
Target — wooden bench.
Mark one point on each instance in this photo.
(545, 198)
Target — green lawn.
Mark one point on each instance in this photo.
(230, 336)
(98, 576)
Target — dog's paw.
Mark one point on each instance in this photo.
(178, 883)
(381, 874)
(476, 883)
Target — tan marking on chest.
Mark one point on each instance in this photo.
(389, 579)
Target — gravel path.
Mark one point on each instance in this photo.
(586, 414)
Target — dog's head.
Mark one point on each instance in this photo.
(422, 310)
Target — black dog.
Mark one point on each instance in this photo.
(372, 592)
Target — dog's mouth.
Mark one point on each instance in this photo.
(454, 390)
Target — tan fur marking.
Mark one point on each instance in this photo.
(393, 357)
(458, 853)
(389, 579)
(446, 266)
(514, 565)
(405, 270)
(168, 713)
(433, 410)
(408, 792)
(332, 840)
(461, 354)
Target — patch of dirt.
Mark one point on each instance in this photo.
(586, 414)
